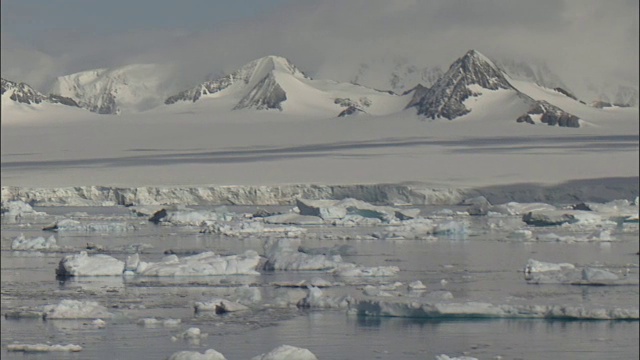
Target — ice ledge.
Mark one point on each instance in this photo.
(597, 190)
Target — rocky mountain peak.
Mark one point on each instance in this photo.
(25, 94)
(446, 97)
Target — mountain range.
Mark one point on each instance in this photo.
(473, 83)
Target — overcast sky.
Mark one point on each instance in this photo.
(579, 39)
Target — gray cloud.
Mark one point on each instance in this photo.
(577, 38)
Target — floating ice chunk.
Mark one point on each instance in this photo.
(411, 229)
(210, 354)
(316, 281)
(417, 285)
(84, 265)
(521, 234)
(595, 275)
(99, 323)
(188, 217)
(415, 309)
(287, 352)
(446, 357)
(477, 206)
(293, 219)
(39, 243)
(283, 254)
(250, 228)
(219, 306)
(338, 209)
(75, 309)
(15, 210)
(549, 218)
(342, 250)
(44, 348)
(193, 335)
(514, 208)
(203, 264)
(352, 220)
(74, 225)
(535, 266)
(352, 270)
(318, 300)
(450, 228)
(407, 214)
(150, 322)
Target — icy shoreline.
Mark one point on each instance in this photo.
(601, 190)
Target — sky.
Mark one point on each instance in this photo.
(581, 40)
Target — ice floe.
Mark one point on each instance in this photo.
(76, 309)
(219, 306)
(420, 309)
(13, 211)
(250, 228)
(203, 264)
(293, 219)
(77, 226)
(43, 348)
(548, 273)
(287, 352)
(153, 322)
(339, 209)
(535, 266)
(192, 335)
(447, 357)
(188, 217)
(316, 299)
(209, 354)
(38, 243)
(83, 264)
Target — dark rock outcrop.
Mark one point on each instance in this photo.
(550, 115)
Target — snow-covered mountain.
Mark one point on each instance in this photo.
(475, 82)
(131, 88)
(25, 94)
(274, 83)
(534, 71)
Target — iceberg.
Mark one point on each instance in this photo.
(250, 228)
(287, 352)
(188, 217)
(84, 265)
(316, 299)
(16, 210)
(209, 354)
(283, 254)
(151, 322)
(535, 266)
(293, 219)
(75, 225)
(339, 209)
(447, 357)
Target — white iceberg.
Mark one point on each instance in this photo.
(44, 348)
(152, 322)
(84, 265)
(188, 217)
(75, 309)
(250, 228)
(515, 208)
(193, 335)
(339, 209)
(39, 243)
(353, 270)
(210, 354)
(447, 357)
(287, 352)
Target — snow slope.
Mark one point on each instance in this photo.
(126, 89)
(273, 83)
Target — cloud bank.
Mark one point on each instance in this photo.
(579, 39)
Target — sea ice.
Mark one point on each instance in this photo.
(84, 265)
(283, 254)
(75, 225)
(287, 352)
(75, 309)
(415, 309)
(250, 228)
(15, 210)
(192, 334)
(338, 209)
(203, 264)
(210, 354)
(39, 243)
(353, 270)
(44, 347)
(150, 322)
(515, 208)
(188, 217)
